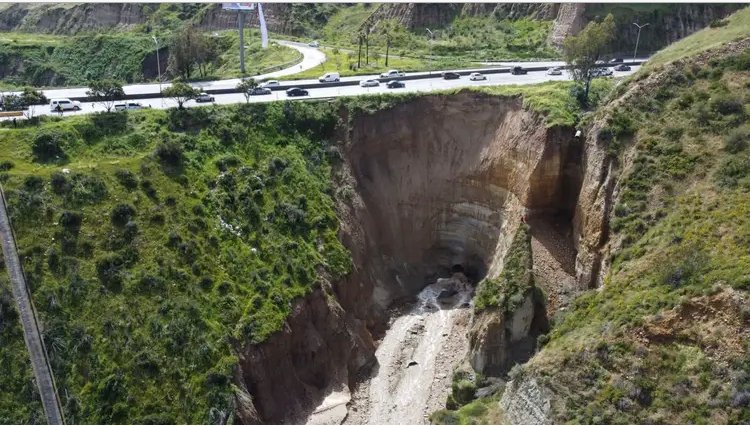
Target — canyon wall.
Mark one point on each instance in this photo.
(427, 186)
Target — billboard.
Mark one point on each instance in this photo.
(238, 6)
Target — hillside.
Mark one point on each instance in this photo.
(658, 330)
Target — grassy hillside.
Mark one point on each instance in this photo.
(43, 60)
(734, 27)
(157, 242)
(666, 339)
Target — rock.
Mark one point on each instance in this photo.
(447, 294)
(412, 363)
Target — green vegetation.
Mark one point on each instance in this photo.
(466, 38)
(665, 340)
(157, 243)
(508, 291)
(19, 398)
(737, 27)
(463, 408)
(33, 59)
(583, 50)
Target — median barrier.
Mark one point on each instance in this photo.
(419, 76)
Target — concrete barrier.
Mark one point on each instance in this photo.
(11, 113)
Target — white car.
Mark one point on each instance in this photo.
(392, 74)
(204, 97)
(129, 106)
(64, 105)
(477, 76)
(369, 83)
(314, 44)
(270, 83)
(554, 71)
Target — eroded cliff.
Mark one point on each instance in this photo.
(427, 187)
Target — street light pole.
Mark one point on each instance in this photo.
(432, 36)
(637, 39)
(158, 62)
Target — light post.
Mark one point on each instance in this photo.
(158, 62)
(637, 39)
(432, 36)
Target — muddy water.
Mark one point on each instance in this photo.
(416, 358)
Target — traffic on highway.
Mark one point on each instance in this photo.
(311, 89)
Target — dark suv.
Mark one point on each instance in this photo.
(451, 75)
(518, 70)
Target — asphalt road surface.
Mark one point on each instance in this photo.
(422, 85)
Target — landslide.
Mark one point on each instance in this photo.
(664, 337)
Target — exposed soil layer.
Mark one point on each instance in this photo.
(428, 188)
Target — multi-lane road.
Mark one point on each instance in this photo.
(148, 94)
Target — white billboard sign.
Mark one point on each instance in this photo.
(238, 6)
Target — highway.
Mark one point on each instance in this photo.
(428, 84)
(425, 81)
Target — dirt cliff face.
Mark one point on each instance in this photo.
(424, 187)
(320, 348)
(70, 18)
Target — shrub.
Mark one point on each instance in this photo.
(732, 170)
(170, 154)
(727, 104)
(71, 221)
(87, 189)
(49, 145)
(737, 140)
(122, 213)
(463, 391)
(59, 182)
(127, 179)
(109, 271)
(5, 166)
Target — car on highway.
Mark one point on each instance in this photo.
(369, 83)
(64, 104)
(392, 74)
(395, 84)
(126, 106)
(329, 77)
(448, 75)
(600, 72)
(314, 44)
(518, 70)
(477, 76)
(622, 67)
(296, 91)
(616, 61)
(258, 91)
(270, 83)
(554, 71)
(204, 97)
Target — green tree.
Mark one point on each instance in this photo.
(191, 48)
(245, 86)
(105, 92)
(28, 100)
(181, 92)
(581, 51)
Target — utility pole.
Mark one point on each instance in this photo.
(432, 36)
(359, 53)
(241, 21)
(367, 48)
(387, 47)
(158, 62)
(637, 39)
